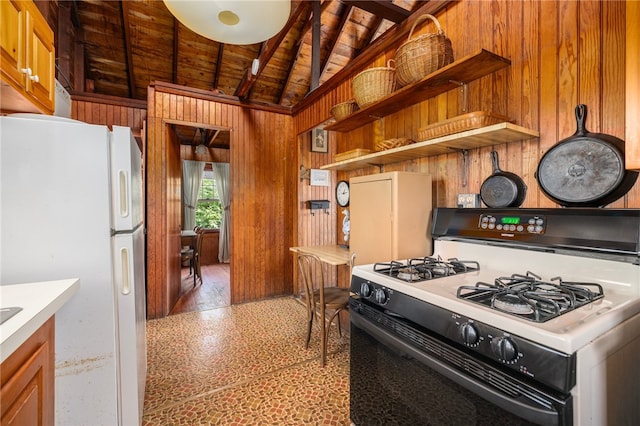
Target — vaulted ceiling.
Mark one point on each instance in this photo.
(129, 44)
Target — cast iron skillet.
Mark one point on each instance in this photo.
(502, 189)
(586, 169)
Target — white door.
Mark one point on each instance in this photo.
(128, 255)
(126, 179)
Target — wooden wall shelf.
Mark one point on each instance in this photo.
(459, 72)
(484, 136)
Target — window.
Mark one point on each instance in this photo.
(209, 208)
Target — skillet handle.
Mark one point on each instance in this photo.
(494, 161)
(581, 118)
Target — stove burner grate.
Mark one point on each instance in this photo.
(511, 303)
(529, 297)
(425, 268)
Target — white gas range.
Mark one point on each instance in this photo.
(569, 321)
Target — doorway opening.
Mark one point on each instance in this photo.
(207, 148)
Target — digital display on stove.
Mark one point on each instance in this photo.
(526, 224)
(510, 220)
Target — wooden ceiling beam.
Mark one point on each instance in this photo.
(382, 8)
(176, 45)
(296, 48)
(299, 43)
(243, 90)
(389, 38)
(315, 46)
(371, 32)
(212, 138)
(375, 27)
(124, 11)
(267, 50)
(78, 79)
(345, 11)
(309, 20)
(216, 73)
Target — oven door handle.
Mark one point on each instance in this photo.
(528, 412)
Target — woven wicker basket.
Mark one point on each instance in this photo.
(392, 143)
(348, 155)
(344, 109)
(420, 56)
(374, 84)
(460, 123)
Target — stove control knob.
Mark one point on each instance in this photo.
(380, 296)
(469, 333)
(365, 290)
(504, 348)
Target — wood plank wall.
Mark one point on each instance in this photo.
(633, 85)
(260, 157)
(109, 111)
(562, 54)
(315, 227)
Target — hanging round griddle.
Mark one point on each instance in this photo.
(502, 189)
(586, 169)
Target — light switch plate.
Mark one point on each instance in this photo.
(468, 200)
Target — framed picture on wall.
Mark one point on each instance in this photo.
(319, 140)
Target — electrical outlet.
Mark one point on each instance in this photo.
(468, 200)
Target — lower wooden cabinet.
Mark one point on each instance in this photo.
(28, 376)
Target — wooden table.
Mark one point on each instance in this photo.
(331, 254)
(188, 238)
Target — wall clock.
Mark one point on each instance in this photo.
(342, 193)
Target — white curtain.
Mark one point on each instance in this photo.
(221, 175)
(192, 172)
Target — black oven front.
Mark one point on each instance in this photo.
(402, 373)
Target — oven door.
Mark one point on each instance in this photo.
(402, 375)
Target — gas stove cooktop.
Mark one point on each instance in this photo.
(528, 296)
(425, 268)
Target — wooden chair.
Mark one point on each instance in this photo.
(320, 300)
(188, 254)
(198, 254)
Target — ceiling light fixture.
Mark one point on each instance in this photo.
(202, 148)
(232, 21)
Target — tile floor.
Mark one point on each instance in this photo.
(244, 365)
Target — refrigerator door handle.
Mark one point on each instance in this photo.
(124, 203)
(126, 282)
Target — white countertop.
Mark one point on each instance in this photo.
(39, 301)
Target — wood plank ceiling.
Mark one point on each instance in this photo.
(129, 44)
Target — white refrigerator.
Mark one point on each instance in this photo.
(71, 207)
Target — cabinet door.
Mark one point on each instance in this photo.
(22, 397)
(27, 376)
(371, 221)
(40, 58)
(12, 46)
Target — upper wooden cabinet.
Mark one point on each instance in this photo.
(27, 59)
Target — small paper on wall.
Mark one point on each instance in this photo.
(319, 177)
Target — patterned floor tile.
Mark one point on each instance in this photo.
(244, 364)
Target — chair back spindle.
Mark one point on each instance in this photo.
(320, 297)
